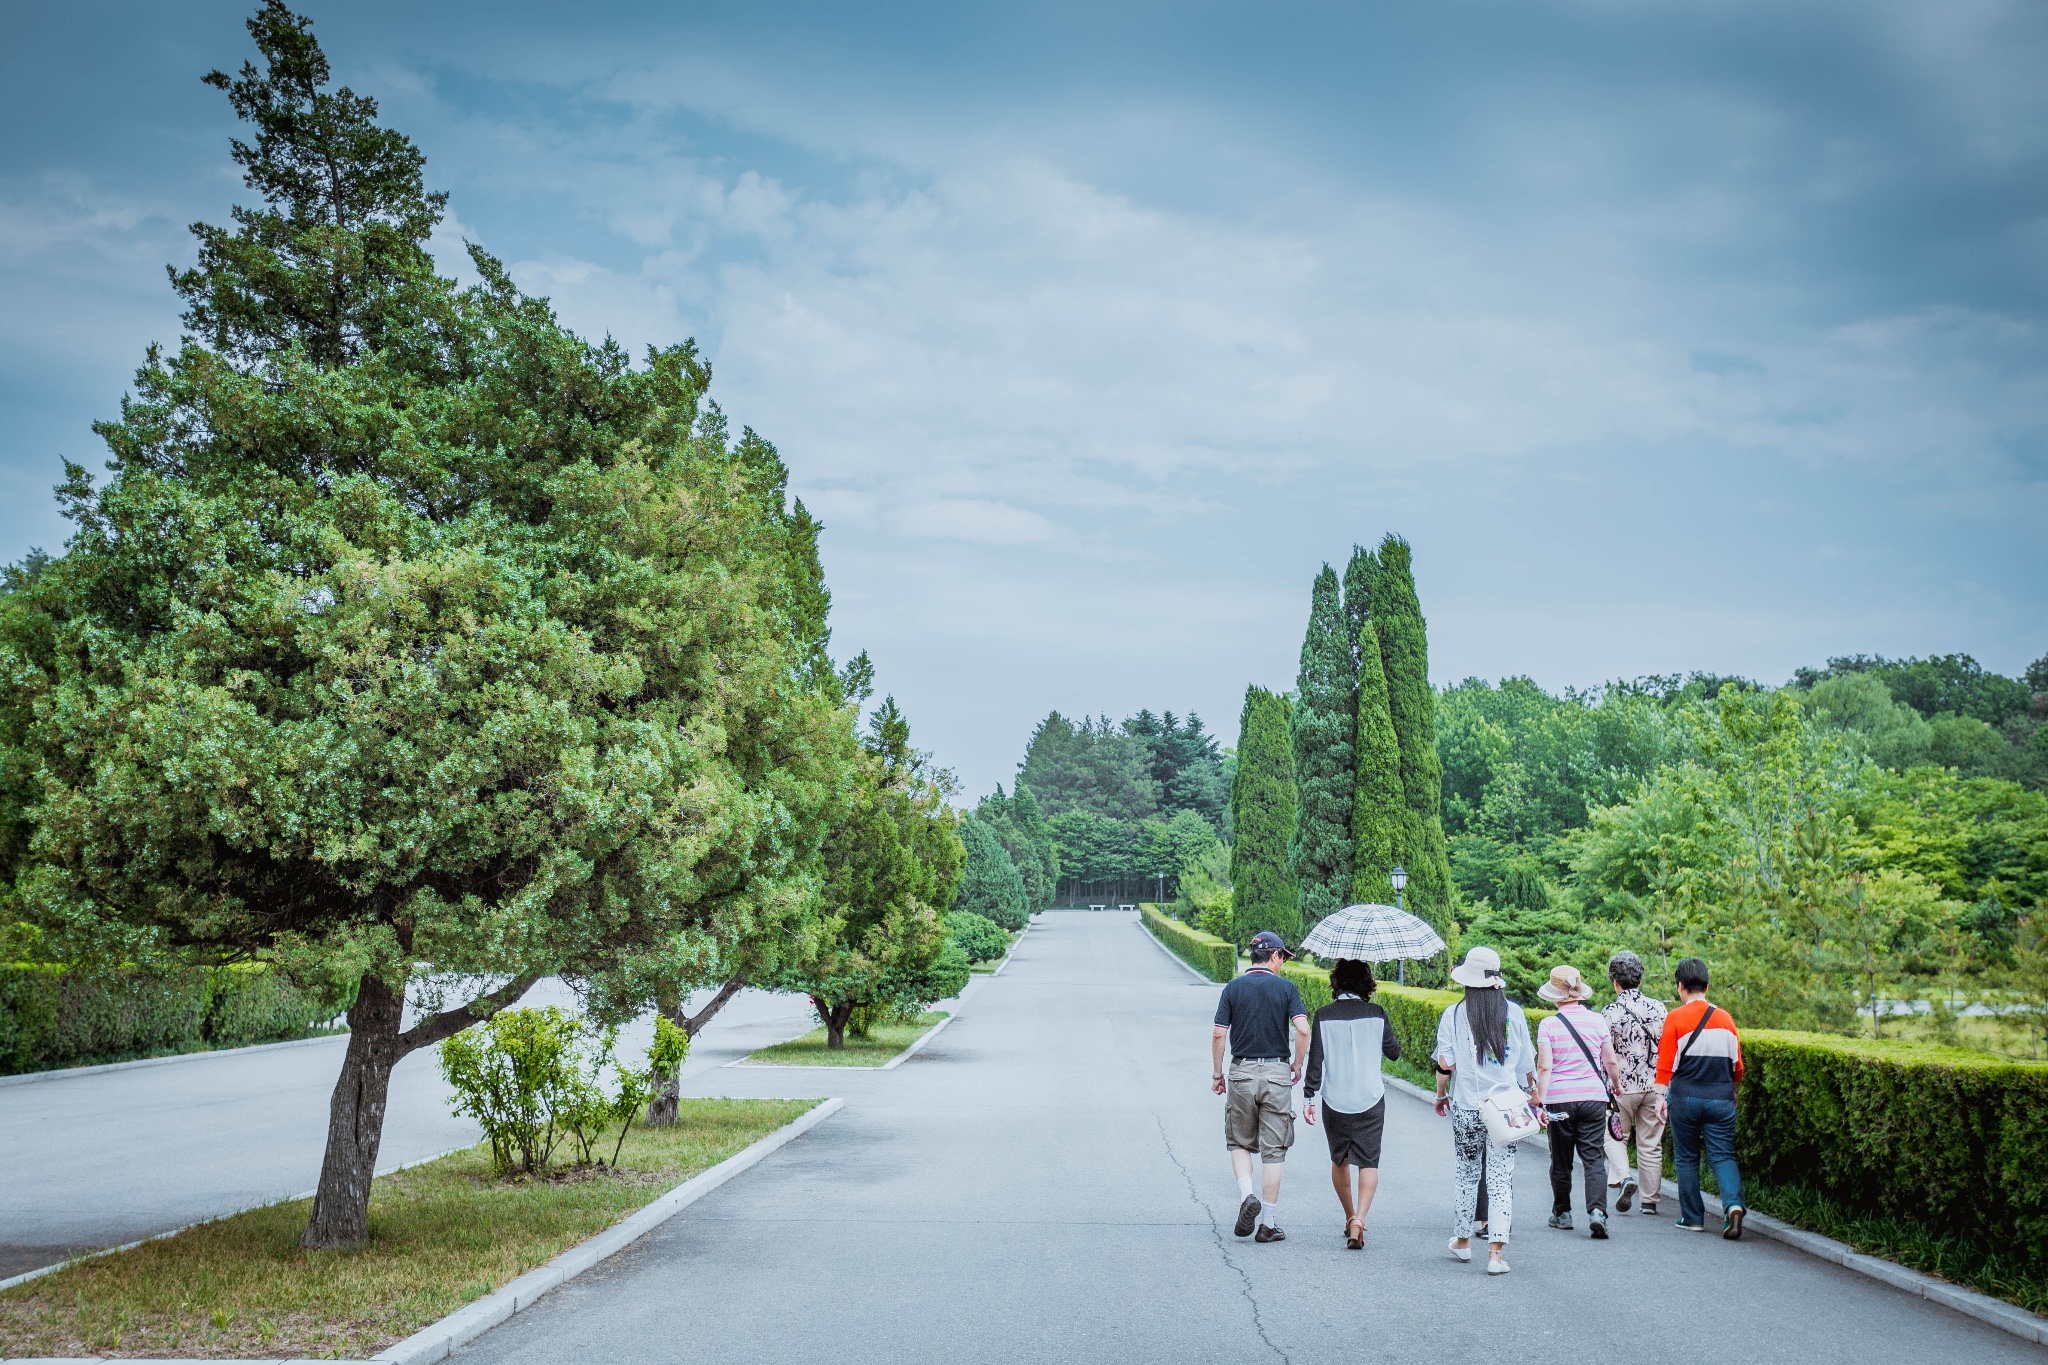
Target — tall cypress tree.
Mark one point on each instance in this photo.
(1262, 813)
(1404, 654)
(1378, 804)
(1358, 576)
(1324, 717)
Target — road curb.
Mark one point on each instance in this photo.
(898, 1060)
(1029, 925)
(1179, 961)
(63, 1072)
(1997, 1313)
(468, 1323)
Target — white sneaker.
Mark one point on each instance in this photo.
(1460, 1253)
(1496, 1266)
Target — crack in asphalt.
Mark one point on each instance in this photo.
(1222, 1247)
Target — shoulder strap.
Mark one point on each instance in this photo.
(1692, 1037)
(1590, 1059)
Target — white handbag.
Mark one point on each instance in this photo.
(1508, 1117)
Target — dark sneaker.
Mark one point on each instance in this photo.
(1597, 1221)
(1247, 1215)
(1731, 1226)
(1650, 1207)
(1270, 1235)
(1561, 1221)
(1628, 1195)
(1684, 1226)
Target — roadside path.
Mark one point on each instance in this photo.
(96, 1160)
(1046, 1182)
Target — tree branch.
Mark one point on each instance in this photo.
(691, 1023)
(448, 1023)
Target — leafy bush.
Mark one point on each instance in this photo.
(1204, 896)
(1950, 1141)
(977, 935)
(533, 1078)
(1215, 958)
(51, 1016)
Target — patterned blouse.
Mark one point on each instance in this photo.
(1636, 1022)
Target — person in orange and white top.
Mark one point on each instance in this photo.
(1699, 1073)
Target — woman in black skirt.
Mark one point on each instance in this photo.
(1349, 1037)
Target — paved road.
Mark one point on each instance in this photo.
(1047, 1182)
(96, 1160)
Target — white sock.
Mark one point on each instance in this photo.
(1269, 1213)
(1245, 1186)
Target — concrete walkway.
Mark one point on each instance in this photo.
(1047, 1182)
(102, 1158)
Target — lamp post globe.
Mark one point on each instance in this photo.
(1399, 877)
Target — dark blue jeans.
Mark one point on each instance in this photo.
(1693, 1119)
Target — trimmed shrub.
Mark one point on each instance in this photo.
(54, 1017)
(980, 937)
(1950, 1141)
(1215, 958)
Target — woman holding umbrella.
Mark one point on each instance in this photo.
(1348, 1040)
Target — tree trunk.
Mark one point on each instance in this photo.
(355, 1119)
(835, 1017)
(661, 1113)
(355, 1116)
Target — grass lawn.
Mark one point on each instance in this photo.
(441, 1235)
(810, 1050)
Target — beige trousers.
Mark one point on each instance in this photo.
(1639, 1115)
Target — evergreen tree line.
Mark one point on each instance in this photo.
(412, 641)
(1110, 800)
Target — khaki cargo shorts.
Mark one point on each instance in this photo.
(1258, 1108)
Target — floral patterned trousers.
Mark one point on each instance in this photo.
(1479, 1159)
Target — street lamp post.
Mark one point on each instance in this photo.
(1162, 891)
(1399, 877)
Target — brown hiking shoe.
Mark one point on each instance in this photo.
(1270, 1235)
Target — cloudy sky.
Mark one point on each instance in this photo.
(1673, 335)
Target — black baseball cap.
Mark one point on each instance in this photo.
(1266, 938)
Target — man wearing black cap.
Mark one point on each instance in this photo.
(1257, 1012)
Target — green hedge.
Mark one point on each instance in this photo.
(1951, 1141)
(1213, 957)
(53, 1017)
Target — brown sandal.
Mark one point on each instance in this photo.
(1354, 1235)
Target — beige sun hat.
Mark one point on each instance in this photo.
(1481, 967)
(1565, 985)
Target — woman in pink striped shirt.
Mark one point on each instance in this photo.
(1575, 1070)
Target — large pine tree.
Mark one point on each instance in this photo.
(1404, 654)
(410, 635)
(1262, 812)
(1320, 850)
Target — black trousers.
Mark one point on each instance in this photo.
(1578, 1126)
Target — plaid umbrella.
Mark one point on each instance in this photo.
(1372, 933)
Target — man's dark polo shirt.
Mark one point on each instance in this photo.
(1259, 1009)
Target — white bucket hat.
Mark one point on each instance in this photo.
(1565, 985)
(1480, 968)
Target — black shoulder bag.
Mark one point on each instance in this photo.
(1616, 1129)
